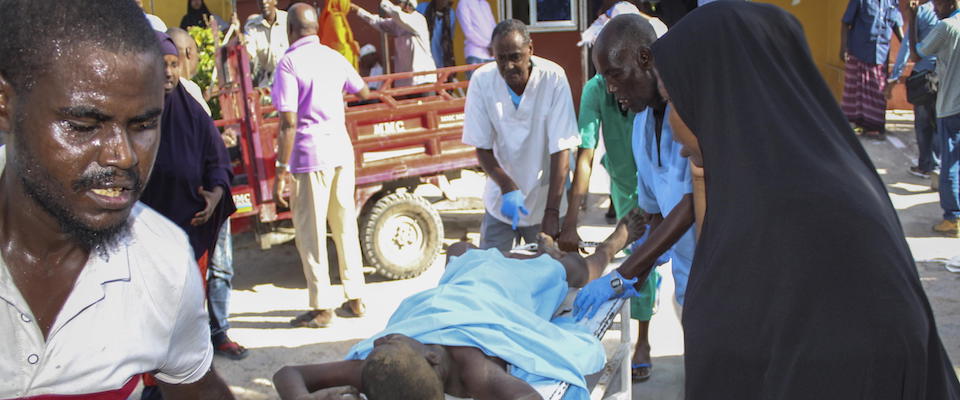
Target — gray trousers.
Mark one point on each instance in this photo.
(498, 234)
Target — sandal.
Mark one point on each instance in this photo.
(312, 319)
(640, 372)
(231, 350)
(351, 309)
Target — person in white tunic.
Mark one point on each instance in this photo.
(519, 116)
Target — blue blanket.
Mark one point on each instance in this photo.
(503, 307)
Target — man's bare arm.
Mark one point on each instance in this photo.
(660, 240)
(288, 130)
(484, 379)
(569, 239)
(209, 387)
(295, 381)
(559, 166)
(364, 94)
(493, 169)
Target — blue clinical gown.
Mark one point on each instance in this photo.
(663, 178)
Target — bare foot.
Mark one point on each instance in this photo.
(546, 245)
(636, 224)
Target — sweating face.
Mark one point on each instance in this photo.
(513, 59)
(171, 72)
(84, 143)
(629, 75)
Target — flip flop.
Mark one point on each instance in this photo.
(640, 372)
(231, 350)
(346, 311)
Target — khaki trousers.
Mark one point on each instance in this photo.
(320, 197)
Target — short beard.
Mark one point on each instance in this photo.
(104, 241)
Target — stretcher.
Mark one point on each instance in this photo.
(618, 362)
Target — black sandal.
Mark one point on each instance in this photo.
(640, 372)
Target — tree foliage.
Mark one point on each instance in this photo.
(206, 67)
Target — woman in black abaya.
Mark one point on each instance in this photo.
(197, 15)
(802, 285)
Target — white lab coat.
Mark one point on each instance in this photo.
(522, 139)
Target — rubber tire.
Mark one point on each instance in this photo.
(419, 218)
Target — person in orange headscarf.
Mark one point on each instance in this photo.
(335, 31)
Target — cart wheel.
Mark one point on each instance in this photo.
(401, 235)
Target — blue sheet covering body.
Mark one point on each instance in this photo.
(503, 307)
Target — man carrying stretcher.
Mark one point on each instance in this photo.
(487, 331)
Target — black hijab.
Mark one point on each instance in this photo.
(191, 155)
(195, 17)
(802, 285)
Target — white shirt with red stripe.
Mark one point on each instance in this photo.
(139, 310)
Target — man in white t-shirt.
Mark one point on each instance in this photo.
(519, 116)
(96, 289)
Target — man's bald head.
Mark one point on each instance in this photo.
(622, 55)
(302, 21)
(626, 33)
(187, 50)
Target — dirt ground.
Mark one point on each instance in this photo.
(269, 288)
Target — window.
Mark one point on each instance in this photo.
(544, 15)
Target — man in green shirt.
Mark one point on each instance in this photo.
(601, 112)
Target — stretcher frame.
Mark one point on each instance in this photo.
(617, 366)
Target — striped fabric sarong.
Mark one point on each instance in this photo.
(863, 100)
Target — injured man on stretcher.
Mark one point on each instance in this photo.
(487, 331)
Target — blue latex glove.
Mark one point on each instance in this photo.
(598, 291)
(512, 206)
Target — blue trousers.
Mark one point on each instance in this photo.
(928, 143)
(219, 277)
(950, 166)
